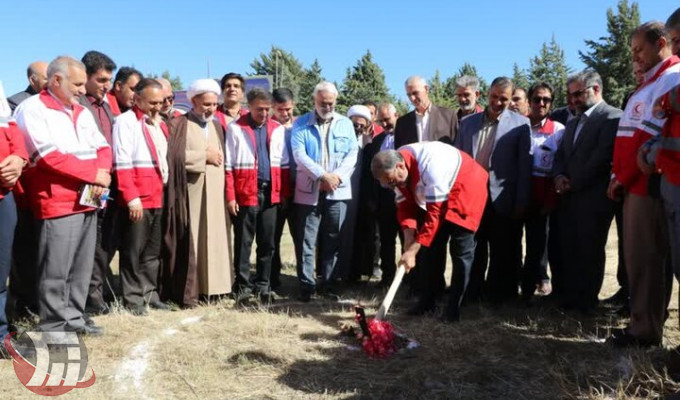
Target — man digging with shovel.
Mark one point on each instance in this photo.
(440, 193)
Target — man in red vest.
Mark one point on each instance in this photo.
(644, 225)
(140, 163)
(441, 193)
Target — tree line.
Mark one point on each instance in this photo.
(609, 55)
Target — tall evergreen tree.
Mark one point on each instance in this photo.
(611, 57)
(364, 81)
(549, 66)
(519, 77)
(310, 78)
(438, 92)
(285, 70)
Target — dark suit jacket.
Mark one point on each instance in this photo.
(560, 115)
(443, 126)
(107, 109)
(511, 160)
(587, 163)
(17, 98)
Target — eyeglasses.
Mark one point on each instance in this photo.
(359, 125)
(169, 99)
(578, 93)
(539, 99)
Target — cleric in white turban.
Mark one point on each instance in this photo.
(198, 234)
(361, 119)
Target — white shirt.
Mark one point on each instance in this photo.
(161, 145)
(423, 124)
(583, 118)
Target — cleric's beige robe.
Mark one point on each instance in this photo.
(210, 221)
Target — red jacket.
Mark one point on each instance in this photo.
(66, 151)
(443, 183)
(11, 143)
(638, 125)
(113, 103)
(136, 163)
(223, 118)
(668, 159)
(240, 162)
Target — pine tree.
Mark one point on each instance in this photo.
(310, 78)
(285, 70)
(519, 77)
(364, 81)
(549, 66)
(438, 93)
(611, 57)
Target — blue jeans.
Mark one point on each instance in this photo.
(8, 221)
(329, 216)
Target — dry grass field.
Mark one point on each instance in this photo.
(294, 351)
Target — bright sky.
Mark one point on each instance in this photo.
(405, 37)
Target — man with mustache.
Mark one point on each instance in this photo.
(467, 93)
(69, 152)
(325, 150)
(198, 227)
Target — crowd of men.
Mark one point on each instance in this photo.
(92, 164)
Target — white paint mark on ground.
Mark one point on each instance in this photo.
(191, 320)
(132, 368)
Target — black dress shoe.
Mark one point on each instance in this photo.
(622, 339)
(305, 297)
(97, 309)
(89, 330)
(451, 315)
(619, 298)
(159, 305)
(422, 307)
(88, 320)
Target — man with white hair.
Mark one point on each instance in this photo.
(69, 153)
(168, 112)
(467, 93)
(427, 122)
(198, 228)
(325, 151)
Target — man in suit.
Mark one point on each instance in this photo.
(581, 175)
(500, 140)
(427, 122)
(37, 80)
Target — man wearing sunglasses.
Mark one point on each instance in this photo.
(168, 111)
(546, 135)
(581, 175)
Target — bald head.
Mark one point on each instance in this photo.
(37, 75)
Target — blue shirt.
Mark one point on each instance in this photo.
(263, 167)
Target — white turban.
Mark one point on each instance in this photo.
(201, 86)
(359, 111)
